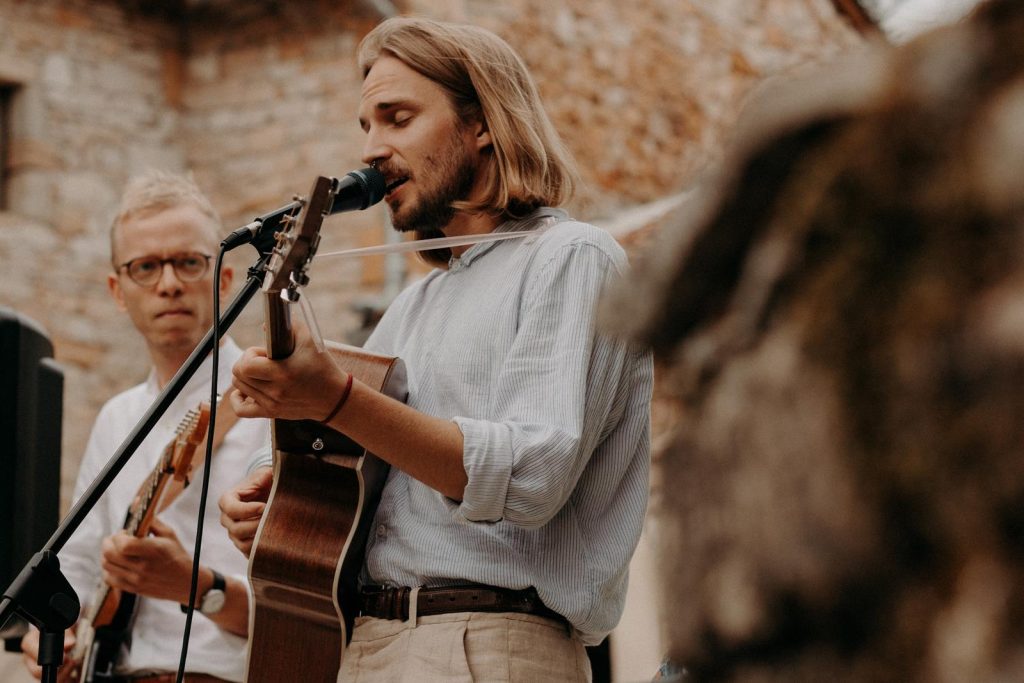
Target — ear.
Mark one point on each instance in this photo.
(227, 274)
(114, 287)
(481, 135)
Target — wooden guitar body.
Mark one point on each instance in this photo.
(309, 548)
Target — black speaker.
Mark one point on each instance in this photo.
(31, 393)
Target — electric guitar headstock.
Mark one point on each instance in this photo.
(190, 433)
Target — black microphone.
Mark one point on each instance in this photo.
(358, 190)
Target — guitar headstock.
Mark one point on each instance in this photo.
(297, 241)
(190, 433)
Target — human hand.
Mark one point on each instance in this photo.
(304, 386)
(157, 566)
(30, 655)
(242, 508)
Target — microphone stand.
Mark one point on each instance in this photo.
(41, 593)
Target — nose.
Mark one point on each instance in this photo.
(169, 283)
(375, 149)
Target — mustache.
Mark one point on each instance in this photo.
(391, 171)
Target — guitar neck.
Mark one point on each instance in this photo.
(280, 337)
(140, 514)
(175, 461)
(137, 523)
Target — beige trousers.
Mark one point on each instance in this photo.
(463, 648)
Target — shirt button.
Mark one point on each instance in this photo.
(381, 530)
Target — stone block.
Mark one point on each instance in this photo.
(31, 193)
(25, 153)
(16, 68)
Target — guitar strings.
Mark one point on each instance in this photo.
(423, 245)
(396, 248)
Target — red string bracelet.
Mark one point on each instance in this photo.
(341, 400)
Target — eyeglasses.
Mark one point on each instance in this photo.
(146, 270)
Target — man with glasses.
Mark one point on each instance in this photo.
(162, 243)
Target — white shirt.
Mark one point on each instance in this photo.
(159, 624)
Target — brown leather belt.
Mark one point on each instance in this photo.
(171, 678)
(393, 603)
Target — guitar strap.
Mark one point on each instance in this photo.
(226, 419)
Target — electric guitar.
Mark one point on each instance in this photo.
(309, 548)
(105, 625)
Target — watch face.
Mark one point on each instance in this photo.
(213, 601)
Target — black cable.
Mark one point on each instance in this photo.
(214, 363)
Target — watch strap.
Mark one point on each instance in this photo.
(219, 584)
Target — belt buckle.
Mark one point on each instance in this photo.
(372, 599)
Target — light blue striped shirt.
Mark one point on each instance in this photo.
(555, 418)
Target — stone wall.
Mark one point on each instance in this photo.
(258, 98)
(90, 108)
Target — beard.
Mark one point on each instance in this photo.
(456, 174)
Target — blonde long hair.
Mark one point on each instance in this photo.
(486, 80)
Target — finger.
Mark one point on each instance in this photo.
(161, 530)
(119, 565)
(243, 544)
(256, 368)
(245, 383)
(123, 579)
(244, 531)
(257, 486)
(263, 477)
(255, 352)
(252, 352)
(254, 489)
(30, 643)
(302, 335)
(262, 390)
(33, 667)
(242, 511)
(226, 521)
(246, 406)
(232, 523)
(123, 548)
(237, 397)
(111, 546)
(122, 557)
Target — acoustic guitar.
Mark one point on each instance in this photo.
(309, 548)
(105, 625)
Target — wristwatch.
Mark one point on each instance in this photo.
(212, 600)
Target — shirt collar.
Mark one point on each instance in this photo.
(529, 222)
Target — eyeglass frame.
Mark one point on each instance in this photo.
(126, 266)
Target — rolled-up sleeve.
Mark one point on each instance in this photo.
(552, 396)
